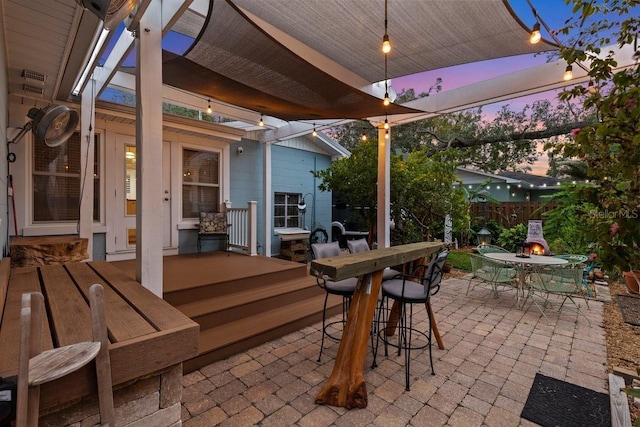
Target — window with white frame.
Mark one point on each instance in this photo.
(285, 210)
(58, 181)
(200, 182)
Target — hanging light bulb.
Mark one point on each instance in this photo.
(386, 134)
(209, 110)
(386, 124)
(364, 136)
(261, 122)
(535, 34)
(314, 133)
(386, 44)
(591, 88)
(568, 73)
(386, 100)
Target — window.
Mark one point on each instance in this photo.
(285, 206)
(58, 181)
(200, 182)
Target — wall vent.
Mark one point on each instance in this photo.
(33, 89)
(34, 76)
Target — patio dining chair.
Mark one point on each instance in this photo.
(343, 288)
(581, 260)
(563, 282)
(407, 290)
(493, 274)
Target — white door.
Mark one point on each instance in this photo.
(125, 197)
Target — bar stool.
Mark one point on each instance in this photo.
(343, 288)
(406, 291)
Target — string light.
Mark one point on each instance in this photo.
(386, 123)
(209, 110)
(314, 133)
(535, 34)
(386, 44)
(568, 73)
(591, 88)
(364, 136)
(386, 134)
(261, 122)
(386, 48)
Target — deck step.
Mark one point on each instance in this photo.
(239, 335)
(224, 302)
(245, 282)
(241, 302)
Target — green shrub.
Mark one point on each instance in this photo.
(510, 236)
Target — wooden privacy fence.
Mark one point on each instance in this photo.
(509, 214)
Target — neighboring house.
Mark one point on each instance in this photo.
(508, 186)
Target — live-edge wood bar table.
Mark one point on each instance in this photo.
(346, 386)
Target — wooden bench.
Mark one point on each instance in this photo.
(146, 333)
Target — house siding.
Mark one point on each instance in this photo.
(4, 165)
(291, 173)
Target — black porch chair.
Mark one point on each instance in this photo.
(213, 225)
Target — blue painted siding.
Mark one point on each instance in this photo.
(291, 173)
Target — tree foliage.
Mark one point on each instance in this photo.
(421, 191)
(610, 147)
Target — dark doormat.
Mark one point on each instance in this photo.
(629, 308)
(556, 403)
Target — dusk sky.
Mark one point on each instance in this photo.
(553, 12)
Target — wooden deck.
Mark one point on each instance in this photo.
(146, 334)
(239, 301)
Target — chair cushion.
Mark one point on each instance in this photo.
(346, 286)
(412, 291)
(213, 223)
(357, 246)
(325, 250)
(389, 273)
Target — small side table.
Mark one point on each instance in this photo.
(293, 243)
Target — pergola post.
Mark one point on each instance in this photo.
(384, 185)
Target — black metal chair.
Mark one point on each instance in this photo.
(343, 288)
(407, 290)
(213, 225)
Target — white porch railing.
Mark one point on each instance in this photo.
(243, 232)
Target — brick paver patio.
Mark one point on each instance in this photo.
(493, 352)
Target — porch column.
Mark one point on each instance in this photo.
(268, 198)
(384, 184)
(87, 150)
(149, 229)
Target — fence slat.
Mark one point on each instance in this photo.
(509, 214)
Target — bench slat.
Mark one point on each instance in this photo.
(157, 311)
(69, 310)
(21, 281)
(123, 321)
